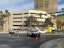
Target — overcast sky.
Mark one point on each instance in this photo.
(17, 5)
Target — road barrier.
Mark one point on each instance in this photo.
(58, 39)
(18, 36)
(37, 39)
(28, 37)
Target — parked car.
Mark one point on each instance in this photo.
(57, 31)
(41, 31)
(11, 32)
(33, 33)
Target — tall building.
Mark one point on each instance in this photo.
(17, 20)
(46, 5)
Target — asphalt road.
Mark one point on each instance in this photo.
(21, 41)
(56, 43)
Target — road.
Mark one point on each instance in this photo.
(56, 43)
(13, 41)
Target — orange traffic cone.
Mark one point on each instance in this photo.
(36, 39)
(28, 37)
(58, 39)
(18, 36)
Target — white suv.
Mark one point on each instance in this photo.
(33, 33)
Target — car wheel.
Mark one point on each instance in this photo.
(28, 35)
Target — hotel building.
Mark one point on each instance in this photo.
(49, 6)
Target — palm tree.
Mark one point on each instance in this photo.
(28, 22)
(1, 21)
(40, 14)
(48, 22)
(1, 13)
(4, 17)
(62, 23)
(31, 21)
(7, 14)
(58, 21)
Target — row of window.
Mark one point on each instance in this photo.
(24, 13)
(19, 25)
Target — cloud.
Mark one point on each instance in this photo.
(8, 3)
(14, 5)
(60, 7)
(27, 6)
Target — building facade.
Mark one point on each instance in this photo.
(46, 5)
(17, 19)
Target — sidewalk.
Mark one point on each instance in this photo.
(3, 32)
(15, 32)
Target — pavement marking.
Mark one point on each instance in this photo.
(24, 47)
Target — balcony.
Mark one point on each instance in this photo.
(20, 23)
(19, 19)
(41, 20)
(17, 27)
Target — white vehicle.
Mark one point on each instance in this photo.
(11, 32)
(33, 33)
(41, 31)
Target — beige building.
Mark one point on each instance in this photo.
(17, 19)
(46, 5)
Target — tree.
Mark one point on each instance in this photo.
(1, 21)
(7, 14)
(63, 24)
(31, 21)
(1, 13)
(40, 14)
(48, 22)
(4, 17)
(59, 19)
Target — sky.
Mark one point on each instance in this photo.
(19, 5)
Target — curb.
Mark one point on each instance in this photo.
(3, 32)
(8, 32)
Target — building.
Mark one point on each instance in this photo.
(46, 5)
(17, 19)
